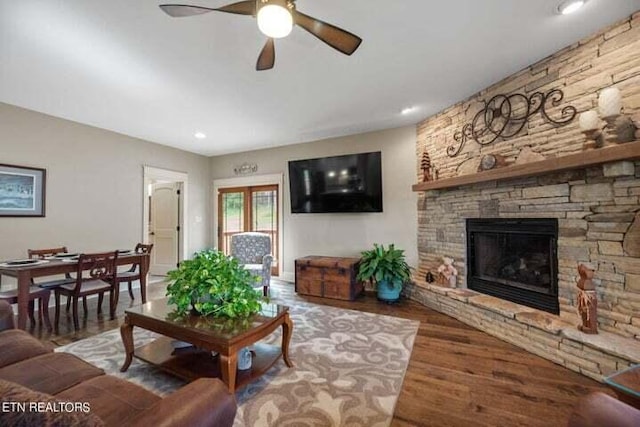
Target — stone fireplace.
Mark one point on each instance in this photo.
(591, 213)
(585, 212)
(514, 259)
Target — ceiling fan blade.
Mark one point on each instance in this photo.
(240, 8)
(180, 10)
(267, 56)
(335, 37)
(247, 7)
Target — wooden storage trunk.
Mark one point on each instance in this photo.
(328, 277)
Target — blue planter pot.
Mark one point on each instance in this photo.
(388, 293)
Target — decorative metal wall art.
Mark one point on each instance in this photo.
(504, 116)
(245, 169)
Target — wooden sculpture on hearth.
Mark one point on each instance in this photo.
(587, 300)
(447, 273)
(425, 165)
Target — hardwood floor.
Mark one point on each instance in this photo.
(457, 376)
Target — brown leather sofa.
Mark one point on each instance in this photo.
(31, 374)
(601, 410)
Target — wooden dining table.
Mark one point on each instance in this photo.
(25, 273)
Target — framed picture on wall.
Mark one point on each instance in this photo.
(22, 191)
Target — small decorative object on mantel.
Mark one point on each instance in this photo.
(504, 116)
(425, 165)
(447, 273)
(245, 169)
(587, 300)
(590, 126)
(610, 107)
(619, 128)
(491, 161)
(527, 155)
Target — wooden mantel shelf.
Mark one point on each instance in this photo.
(627, 151)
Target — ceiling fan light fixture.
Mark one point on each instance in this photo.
(275, 19)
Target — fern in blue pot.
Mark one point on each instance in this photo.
(386, 269)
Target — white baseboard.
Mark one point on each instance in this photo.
(287, 276)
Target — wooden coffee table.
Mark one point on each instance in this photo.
(207, 334)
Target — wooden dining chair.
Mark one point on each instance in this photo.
(35, 293)
(38, 291)
(46, 253)
(133, 273)
(100, 269)
(50, 284)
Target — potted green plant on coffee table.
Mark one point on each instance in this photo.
(213, 284)
(386, 269)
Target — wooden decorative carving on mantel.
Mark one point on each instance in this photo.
(425, 165)
(504, 116)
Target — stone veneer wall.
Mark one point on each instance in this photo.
(595, 207)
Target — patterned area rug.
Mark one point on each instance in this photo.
(348, 369)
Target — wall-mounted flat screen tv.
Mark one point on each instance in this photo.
(351, 183)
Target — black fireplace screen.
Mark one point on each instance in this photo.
(515, 260)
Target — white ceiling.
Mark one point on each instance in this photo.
(125, 66)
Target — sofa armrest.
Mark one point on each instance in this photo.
(6, 316)
(204, 402)
(599, 409)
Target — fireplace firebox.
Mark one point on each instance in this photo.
(515, 259)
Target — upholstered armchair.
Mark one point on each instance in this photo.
(253, 251)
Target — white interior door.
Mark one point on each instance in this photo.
(164, 228)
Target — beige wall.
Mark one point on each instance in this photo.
(94, 184)
(94, 189)
(344, 234)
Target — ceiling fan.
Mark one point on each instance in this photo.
(276, 19)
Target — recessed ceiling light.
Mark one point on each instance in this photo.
(200, 135)
(569, 6)
(407, 110)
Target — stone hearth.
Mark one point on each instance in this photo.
(549, 336)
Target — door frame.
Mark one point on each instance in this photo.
(252, 181)
(150, 174)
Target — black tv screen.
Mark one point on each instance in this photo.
(351, 183)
